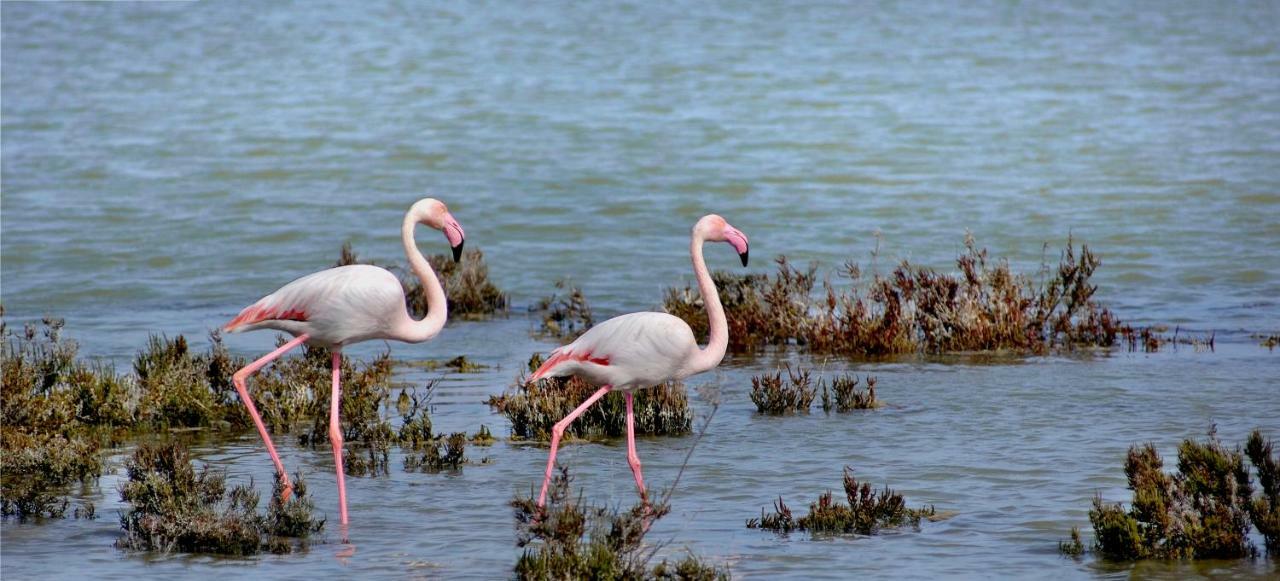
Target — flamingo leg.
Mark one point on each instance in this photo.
(632, 458)
(558, 430)
(238, 379)
(335, 433)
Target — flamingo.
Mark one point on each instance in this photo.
(641, 350)
(345, 305)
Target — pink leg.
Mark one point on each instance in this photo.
(335, 434)
(632, 458)
(238, 379)
(558, 430)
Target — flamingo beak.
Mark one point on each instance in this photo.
(745, 253)
(457, 251)
(456, 237)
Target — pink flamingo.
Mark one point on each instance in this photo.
(641, 350)
(345, 305)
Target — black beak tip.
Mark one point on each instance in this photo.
(457, 251)
(744, 255)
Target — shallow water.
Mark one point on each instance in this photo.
(164, 164)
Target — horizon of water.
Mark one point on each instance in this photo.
(163, 165)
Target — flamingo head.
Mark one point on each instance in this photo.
(433, 213)
(716, 229)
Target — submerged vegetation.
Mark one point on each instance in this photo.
(466, 283)
(866, 513)
(1202, 511)
(775, 394)
(845, 396)
(533, 409)
(566, 314)
(569, 539)
(984, 307)
(172, 507)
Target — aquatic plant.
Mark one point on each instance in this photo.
(459, 364)
(983, 307)
(566, 314)
(49, 405)
(172, 507)
(1152, 339)
(415, 425)
(1073, 547)
(568, 539)
(1202, 511)
(466, 283)
(534, 408)
(1264, 510)
(844, 394)
(775, 395)
(866, 513)
(443, 453)
(180, 388)
(483, 437)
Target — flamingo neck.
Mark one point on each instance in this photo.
(708, 357)
(409, 330)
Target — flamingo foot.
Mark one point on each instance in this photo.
(287, 492)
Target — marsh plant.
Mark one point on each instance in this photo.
(867, 512)
(985, 306)
(774, 394)
(437, 454)
(843, 394)
(534, 408)
(52, 407)
(174, 507)
(777, 394)
(466, 283)
(566, 313)
(569, 539)
(1202, 511)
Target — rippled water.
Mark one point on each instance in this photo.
(164, 164)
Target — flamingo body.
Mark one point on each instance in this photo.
(642, 350)
(334, 307)
(627, 352)
(344, 305)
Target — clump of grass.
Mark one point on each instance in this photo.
(760, 310)
(172, 507)
(984, 307)
(776, 395)
(1073, 547)
(1202, 511)
(1152, 339)
(459, 364)
(466, 283)
(50, 408)
(415, 427)
(566, 314)
(443, 453)
(1264, 510)
(867, 512)
(844, 394)
(569, 539)
(534, 409)
(483, 437)
(1268, 341)
(182, 388)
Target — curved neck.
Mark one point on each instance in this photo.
(437, 307)
(708, 357)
